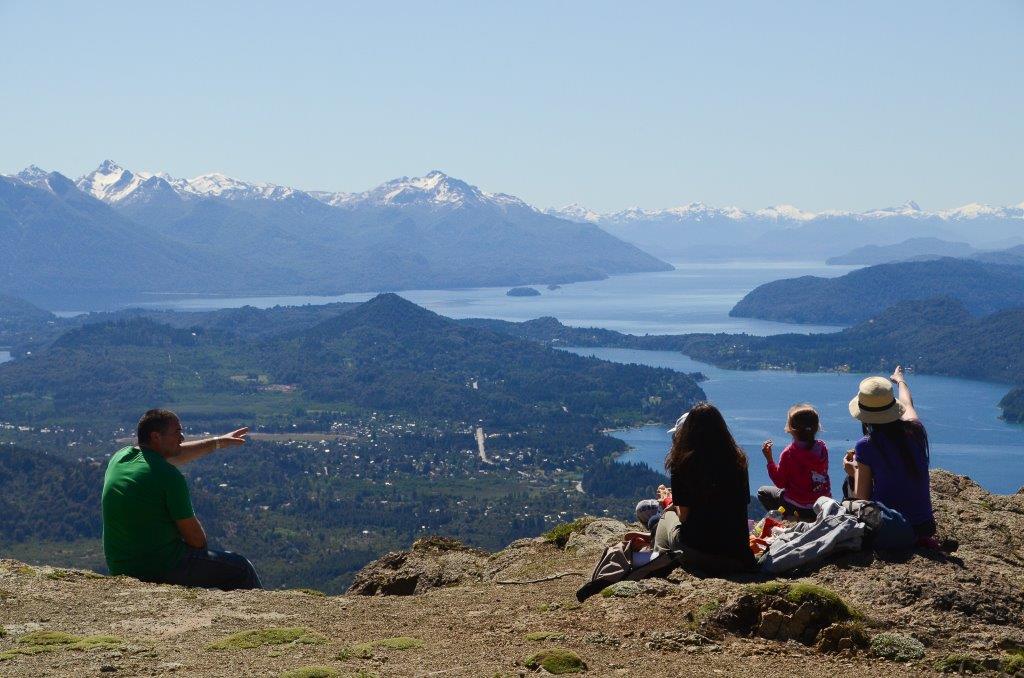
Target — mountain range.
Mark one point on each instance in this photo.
(783, 232)
(118, 230)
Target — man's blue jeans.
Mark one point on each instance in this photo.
(208, 569)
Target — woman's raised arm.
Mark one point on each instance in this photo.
(905, 398)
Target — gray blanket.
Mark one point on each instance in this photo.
(834, 530)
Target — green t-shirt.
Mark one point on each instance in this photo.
(142, 497)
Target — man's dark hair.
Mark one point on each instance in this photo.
(154, 421)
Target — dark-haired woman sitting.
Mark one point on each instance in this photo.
(707, 522)
(890, 463)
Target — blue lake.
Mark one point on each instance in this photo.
(692, 298)
(5, 356)
(961, 417)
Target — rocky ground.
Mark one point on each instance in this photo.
(442, 609)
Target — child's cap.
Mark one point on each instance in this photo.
(646, 509)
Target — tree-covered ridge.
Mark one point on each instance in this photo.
(21, 321)
(937, 336)
(859, 295)
(387, 354)
(1012, 405)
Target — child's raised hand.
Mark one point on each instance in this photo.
(766, 450)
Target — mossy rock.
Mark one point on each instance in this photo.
(1013, 663)
(312, 672)
(896, 647)
(559, 534)
(89, 643)
(806, 592)
(621, 589)
(556, 660)
(244, 640)
(959, 663)
(537, 636)
(48, 638)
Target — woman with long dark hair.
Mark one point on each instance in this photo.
(707, 522)
(890, 463)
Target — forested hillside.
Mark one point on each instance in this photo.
(981, 287)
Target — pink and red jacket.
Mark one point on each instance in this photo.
(802, 473)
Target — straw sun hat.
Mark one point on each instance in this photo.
(875, 403)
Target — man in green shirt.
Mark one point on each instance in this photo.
(149, 528)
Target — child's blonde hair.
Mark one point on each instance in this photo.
(802, 422)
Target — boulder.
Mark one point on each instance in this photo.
(432, 562)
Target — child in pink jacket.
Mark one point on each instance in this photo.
(801, 476)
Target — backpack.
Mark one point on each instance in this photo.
(616, 564)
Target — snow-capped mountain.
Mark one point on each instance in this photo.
(113, 184)
(698, 211)
(575, 212)
(218, 185)
(433, 231)
(33, 176)
(435, 189)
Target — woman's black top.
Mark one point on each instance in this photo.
(717, 520)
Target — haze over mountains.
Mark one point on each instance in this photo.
(115, 229)
(701, 232)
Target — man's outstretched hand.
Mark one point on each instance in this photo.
(233, 439)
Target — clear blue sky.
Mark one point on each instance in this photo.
(847, 105)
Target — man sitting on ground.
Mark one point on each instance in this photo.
(149, 528)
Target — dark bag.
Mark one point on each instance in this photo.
(616, 564)
(887, 529)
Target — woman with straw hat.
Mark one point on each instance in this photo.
(890, 463)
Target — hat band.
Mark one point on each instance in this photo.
(868, 408)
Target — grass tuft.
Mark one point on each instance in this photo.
(244, 640)
(357, 651)
(959, 663)
(310, 592)
(26, 650)
(312, 672)
(65, 575)
(1013, 663)
(556, 660)
(90, 643)
(537, 636)
(400, 643)
(48, 638)
(365, 650)
(559, 534)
